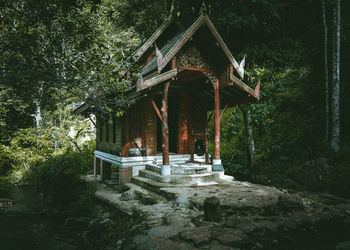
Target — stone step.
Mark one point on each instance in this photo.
(155, 186)
(144, 194)
(179, 179)
(178, 169)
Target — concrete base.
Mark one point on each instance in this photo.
(178, 172)
(218, 168)
(217, 165)
(139, 162)
(165, 170)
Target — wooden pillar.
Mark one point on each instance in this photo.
(101, 169)
(96, 166)
(217, 120)
(165, 127)
(217, 166)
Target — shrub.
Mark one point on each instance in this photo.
(58, 180)
(5, 186)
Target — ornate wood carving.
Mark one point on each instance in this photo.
(190, 56)
(211, 76)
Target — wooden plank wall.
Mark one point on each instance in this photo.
(149, 127)
(110, 146)
(126, 134)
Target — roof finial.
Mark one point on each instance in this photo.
(203, 9)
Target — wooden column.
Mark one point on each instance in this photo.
(96, 166)
(217, 166)
(101, 170)
(217, 120)
(165, 127)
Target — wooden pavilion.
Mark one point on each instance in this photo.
(186, 73)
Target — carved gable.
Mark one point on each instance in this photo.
(190, 56)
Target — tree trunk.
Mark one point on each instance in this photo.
(325, 54)
(335, 131)
(249, 140)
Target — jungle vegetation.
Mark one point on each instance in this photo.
(57, 52)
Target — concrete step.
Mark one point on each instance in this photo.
(154, 168)
(158, 187)
(188, 170)
(179, 179)
(111, 182)
(179, 170)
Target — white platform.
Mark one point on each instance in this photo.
(139, 162)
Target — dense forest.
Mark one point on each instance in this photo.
(60, 52)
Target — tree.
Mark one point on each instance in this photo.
(325, 54)
(335, 101)
(59, 50)
(250, 147)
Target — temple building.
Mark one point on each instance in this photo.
(188, 76)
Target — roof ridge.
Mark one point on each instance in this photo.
(203, 18)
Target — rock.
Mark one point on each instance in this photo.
(230, 237)
(144, 243)
(182, 202)
(198, 236)
(128, 195)
(288, 203)
(6, 200)
(212, 209)
(217, 246)
(343, 246)
(17, 209)
(247, 227)
(5, 203)
(164, 231)
(232, 221)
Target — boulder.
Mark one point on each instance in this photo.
(212, 209)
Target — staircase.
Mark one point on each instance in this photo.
(185, 174)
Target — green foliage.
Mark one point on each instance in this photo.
(59, 179)
(61, 51)
(56, 52)
(60, 132)
(5, 186)
(5, 161)
(338, 180)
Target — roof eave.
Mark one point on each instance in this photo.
(138, 53)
